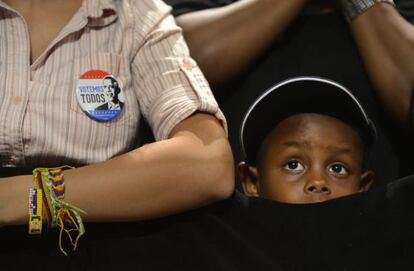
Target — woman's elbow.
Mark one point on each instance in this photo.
(220, 175)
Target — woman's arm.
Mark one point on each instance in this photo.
(225, 40)
(386, 43)
(190, 169)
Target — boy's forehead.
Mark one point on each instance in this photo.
(309, 126)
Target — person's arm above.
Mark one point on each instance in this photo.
(386, 43)
(225, 40)
(190, 169)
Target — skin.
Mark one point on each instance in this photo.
(192, 168)
(386, 43)
(44, 19)
(307, 158)
(224, 35)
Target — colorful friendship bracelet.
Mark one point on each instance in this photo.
(39, 177)
(50, 180)
(58, 213)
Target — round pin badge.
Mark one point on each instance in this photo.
(99, 95)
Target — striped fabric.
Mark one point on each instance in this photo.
(41, 123)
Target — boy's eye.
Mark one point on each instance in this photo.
(338, 169)
(293, 165)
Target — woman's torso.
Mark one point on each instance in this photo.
(40, 117)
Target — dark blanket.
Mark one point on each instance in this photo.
(367, 231)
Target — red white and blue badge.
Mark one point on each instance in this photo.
(99, 95)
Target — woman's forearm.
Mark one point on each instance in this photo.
(189, 170)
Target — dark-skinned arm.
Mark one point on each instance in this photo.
(386, 43)
(225, 40)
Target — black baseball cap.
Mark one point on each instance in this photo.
(302, 95)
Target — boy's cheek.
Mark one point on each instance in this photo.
(283, 191)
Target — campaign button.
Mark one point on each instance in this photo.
(99, 95)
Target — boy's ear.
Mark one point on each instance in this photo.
(367, 179)
(249, 180)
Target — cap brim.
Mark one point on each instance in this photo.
(301, 95)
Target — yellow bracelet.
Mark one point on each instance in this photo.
(58, 212)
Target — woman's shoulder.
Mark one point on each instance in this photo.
(142, 15)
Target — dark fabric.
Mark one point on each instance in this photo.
(368, 231)
(318, 45)
(11, 171)
(362, 232)
(406, 8)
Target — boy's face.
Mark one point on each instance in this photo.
(308, 158)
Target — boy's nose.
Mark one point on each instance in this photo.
(317, 186)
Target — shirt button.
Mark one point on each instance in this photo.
(188, 65)
(17, 100)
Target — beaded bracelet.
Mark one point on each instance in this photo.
(35, 211)
(352, 8)
(58, 213)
